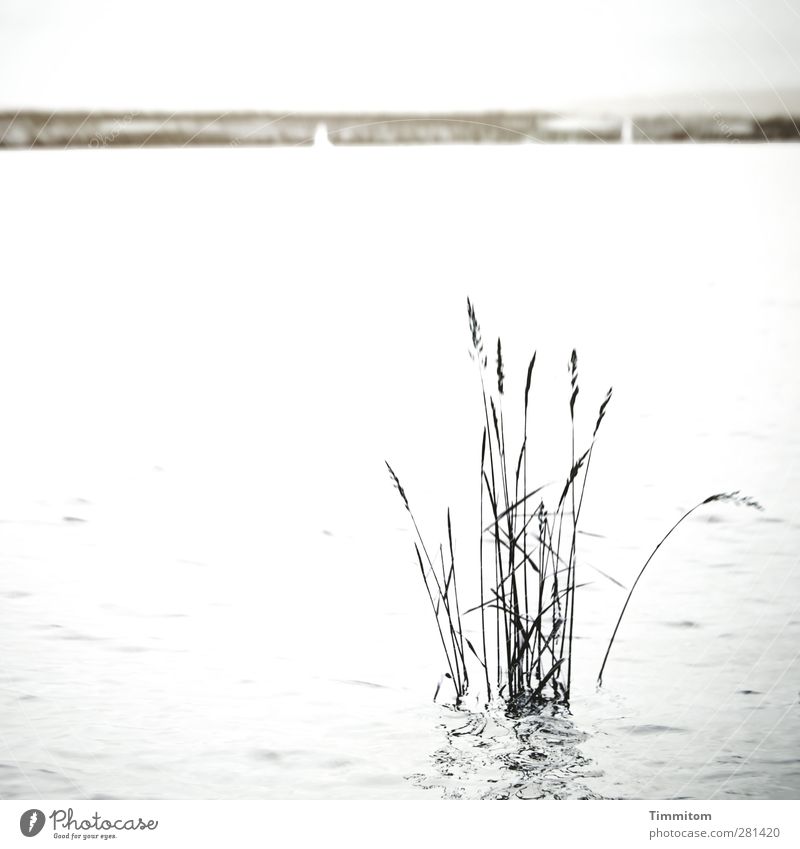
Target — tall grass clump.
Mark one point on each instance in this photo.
(527, 553)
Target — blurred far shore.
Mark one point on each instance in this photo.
(722, 117)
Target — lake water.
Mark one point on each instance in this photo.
(207, 583)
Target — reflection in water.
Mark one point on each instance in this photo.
(499, 755)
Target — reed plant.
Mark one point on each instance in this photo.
(528, 583)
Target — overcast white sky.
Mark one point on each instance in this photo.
(369, 54)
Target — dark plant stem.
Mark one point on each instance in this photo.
(638, 577)
(483, 594)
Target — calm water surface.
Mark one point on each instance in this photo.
(207, 585)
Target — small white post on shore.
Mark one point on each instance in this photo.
(626, 133)
(321, 135)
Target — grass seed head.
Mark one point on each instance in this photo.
(602, 412)
(398, 485)
(500, 374)
(573, 379)
(475, 332)
(736, 498)
(528, 379)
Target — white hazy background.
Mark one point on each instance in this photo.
(361, 55)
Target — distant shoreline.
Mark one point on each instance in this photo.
(79, 129)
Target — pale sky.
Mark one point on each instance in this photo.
(373, 55)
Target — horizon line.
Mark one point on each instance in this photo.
(78, 128)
